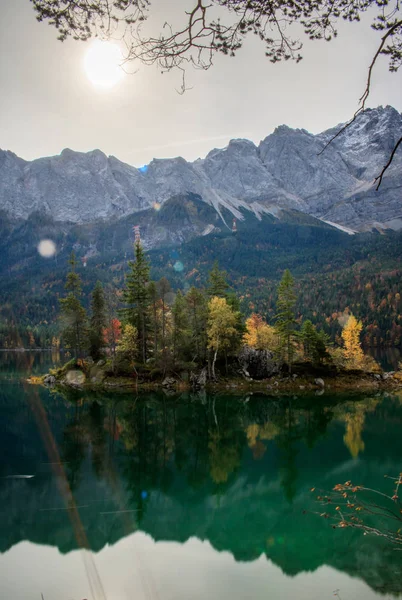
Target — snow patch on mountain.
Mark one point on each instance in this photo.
(289, 169)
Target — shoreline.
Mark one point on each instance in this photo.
(343, 382)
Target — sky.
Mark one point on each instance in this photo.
(47, 102)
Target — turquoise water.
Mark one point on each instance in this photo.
(187, 496)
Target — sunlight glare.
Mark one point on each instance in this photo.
(102, 64)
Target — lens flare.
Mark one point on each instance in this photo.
(47, 248)
(156, 206)
(178, 266)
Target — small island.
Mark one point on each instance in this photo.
(149, 336)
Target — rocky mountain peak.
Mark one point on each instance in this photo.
(287, 170)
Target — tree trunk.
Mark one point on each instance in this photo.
(213, 362)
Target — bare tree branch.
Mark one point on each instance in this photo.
(391, 158)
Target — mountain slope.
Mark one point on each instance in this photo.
(286, 171)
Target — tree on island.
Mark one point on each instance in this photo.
(222, 321)
(221, 26)
(73, 314)
(217, 282)
(97, 322)
(352, 351)
(136, 297)
(285, 321)
(314, 343)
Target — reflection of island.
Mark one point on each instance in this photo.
(237, 473)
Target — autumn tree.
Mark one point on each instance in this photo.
(73, 313)
(111, 336)
(352, 350)
(127, 346)
(259, 334)
(136, 297)
(97, 322)
(222, 322)
(285, 321)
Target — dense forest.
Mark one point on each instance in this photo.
(149, 326)
(335, 273)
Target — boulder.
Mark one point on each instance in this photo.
(199, 380)
(169, 382)
(257, 364)
(49, 380)
(320, 382)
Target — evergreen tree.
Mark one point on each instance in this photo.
(198, 314)
(180, 327)
(163, 287)
(97, 322)
(285, 316)
(217, 283)
(136, 296)
(314, 342)
(73, 313)
(153, 298)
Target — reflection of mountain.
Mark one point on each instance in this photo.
(234, 473)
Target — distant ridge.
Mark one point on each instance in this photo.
(285, 171)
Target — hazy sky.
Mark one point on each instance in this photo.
(47, 102)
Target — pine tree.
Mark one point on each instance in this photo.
(97, 322)
(217, 283)
(73, 313)
(285, 316)
(136, 296)
(153, 298)
(163, 287)
(180, 327)
(198, 314)
(314, 342)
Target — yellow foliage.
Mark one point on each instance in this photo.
(353, 435)
(221, 323)
(352, 351)
(259, 334)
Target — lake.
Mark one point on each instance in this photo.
(188, 496)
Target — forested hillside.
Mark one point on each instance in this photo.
(335, 272)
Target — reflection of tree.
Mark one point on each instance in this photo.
(73, 451)
(224, 456)
(157, 461)
(354, 416)
(257, 447)
(353, 435)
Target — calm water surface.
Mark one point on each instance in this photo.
(187, 496)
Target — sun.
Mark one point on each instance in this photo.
(102, 64)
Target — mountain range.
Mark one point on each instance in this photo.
(318, 215)
(288, 170)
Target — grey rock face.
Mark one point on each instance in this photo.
(257, 364)
(288, 170)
